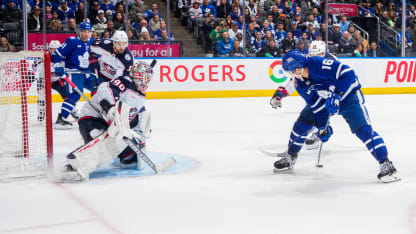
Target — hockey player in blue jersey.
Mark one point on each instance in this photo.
(317, 48)
(330, 87)
(111, 58)
(75, 52)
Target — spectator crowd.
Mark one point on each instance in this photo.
(222, 27)
(106, 16)
(273, 27)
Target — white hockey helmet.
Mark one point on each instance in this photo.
(317, 48)
(54, 44)
(120, 36)
(141, 74)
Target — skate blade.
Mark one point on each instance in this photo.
(63, 127)
(313, 146)
(128, 166)
(283, 171)
(390, 178)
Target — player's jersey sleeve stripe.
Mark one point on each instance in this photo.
(352, 86)
(317, 102)
(338, 71)
(345, 71)
(98, 50)
(58, 53)
(319, 109)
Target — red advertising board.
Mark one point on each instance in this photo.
(35, 40)
(140, 50)
(343, 9)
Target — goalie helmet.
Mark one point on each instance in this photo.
(317, 48)
(53, 45)
(292, 60)
(141, 74)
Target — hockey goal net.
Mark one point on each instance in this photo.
(25, 114)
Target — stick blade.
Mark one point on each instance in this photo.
(166, 165)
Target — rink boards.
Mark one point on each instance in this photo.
(259, 77)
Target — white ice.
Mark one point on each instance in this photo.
(233, 188)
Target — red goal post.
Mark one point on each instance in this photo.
(26, 144)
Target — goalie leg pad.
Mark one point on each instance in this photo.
(91, 128)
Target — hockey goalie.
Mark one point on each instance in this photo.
(115, 113)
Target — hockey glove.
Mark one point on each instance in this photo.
(332, 103)
(276, 100)
(325, 134)
(59, 71)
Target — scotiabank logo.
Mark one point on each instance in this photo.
(201, 73)
(403, 71)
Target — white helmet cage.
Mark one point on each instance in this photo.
(119, 36)
(317, 48)
(54, 44)
(141, 74)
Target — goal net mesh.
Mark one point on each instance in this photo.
(23, 115)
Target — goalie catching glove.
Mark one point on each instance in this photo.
(276, 100)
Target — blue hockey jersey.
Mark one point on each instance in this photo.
(75, 53)
(326, 76)
(110, 64)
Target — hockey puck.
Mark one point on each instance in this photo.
(320, 165)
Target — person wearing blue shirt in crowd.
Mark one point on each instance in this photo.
(225, 45)
(207, 9)
(328, 88)
(73, 5)
(75, 53)
(65, 13)
(151, 12)
(258, 43)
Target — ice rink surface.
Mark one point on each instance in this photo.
(232, 189)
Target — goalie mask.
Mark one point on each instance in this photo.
(141, 74)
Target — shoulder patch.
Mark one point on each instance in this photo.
(107, 41)
(127, 57)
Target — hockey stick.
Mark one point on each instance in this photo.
(156, 168)
(271, 154)
(320, 147)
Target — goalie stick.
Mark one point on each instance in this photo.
(156, 168)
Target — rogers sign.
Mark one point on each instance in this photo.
(201, 73)
(403, 71)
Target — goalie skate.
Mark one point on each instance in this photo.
(69, 175)
(388, 172)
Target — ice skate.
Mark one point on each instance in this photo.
(129, 161)
(312, 142)
(75, 114)
(286, 163)
(387, 172)
(70, 175)
(63, 124)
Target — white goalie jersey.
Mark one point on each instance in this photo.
(120, 89)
